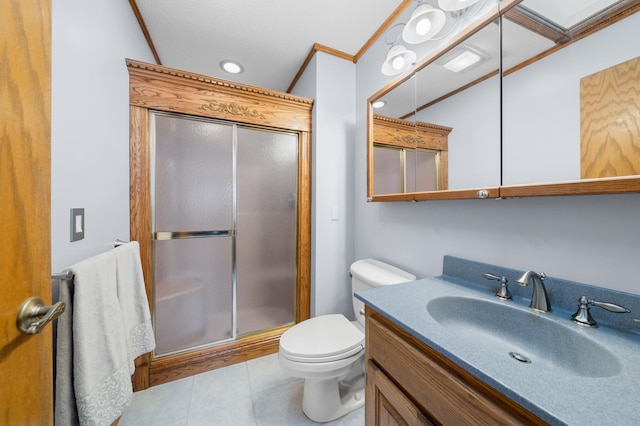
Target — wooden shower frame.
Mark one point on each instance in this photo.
(158, 88)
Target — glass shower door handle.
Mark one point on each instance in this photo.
(177, 235)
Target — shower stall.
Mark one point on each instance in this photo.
(224, 230)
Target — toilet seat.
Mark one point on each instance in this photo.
(322, 339)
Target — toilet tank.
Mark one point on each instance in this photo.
(371, 273)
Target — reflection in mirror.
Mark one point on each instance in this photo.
(447, 116)
(461, 90)
(408, 156)
(571, 96)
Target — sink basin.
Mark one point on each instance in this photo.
(523, 337)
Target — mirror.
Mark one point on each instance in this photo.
(562, 117)
(571, 95)
(438, 133)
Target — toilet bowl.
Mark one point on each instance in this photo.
(328, 351)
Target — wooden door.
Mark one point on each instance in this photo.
(26, 381)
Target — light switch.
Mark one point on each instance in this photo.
(77, 224)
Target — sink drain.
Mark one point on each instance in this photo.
(519, 357)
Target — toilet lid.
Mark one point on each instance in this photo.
(322, 339)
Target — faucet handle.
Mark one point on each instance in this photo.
(503, 293)
(583, 316)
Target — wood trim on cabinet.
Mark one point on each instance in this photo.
(615, 185)
(434, 382)
(389, 405)
(451, 194)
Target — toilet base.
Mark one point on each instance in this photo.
(327, 400)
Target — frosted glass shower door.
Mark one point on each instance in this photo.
(267, 173)
(193, 228)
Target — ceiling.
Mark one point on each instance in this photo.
(270, 38)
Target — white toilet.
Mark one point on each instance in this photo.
(328, 351)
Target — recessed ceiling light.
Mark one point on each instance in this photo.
(231, 67)
(378, 104)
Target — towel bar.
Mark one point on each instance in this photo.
(68, 275)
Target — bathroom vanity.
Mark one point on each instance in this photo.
(402, 369)
(445, 350)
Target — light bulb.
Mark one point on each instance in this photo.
(231, 67)
(423, 26)
(398, 63)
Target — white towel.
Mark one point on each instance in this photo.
(101, 375)
(133, 302)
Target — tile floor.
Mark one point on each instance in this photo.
(253, 393)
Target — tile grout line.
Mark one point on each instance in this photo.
(251, 393)
(190, 401)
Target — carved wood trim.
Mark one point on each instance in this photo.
(408, 134)
(167, 89)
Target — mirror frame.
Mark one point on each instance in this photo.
(613, 185)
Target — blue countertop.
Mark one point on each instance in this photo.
(554, 395)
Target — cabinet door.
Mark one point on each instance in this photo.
(387, 405)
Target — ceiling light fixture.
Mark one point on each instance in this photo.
(464, 58)
(425, 23)
(378, 104)
(231, 67)
(399, 59)
(455, 5)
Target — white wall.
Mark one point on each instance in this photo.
(591, 239)
(474, 142)
(90, 123)
(331, 82)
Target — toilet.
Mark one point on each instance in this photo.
(328, 351)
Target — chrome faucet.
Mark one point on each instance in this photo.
(539, 299)
(503, 293)
(583, 316)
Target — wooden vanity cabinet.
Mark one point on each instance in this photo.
(409, 383)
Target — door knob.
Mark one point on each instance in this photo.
(33, 315)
